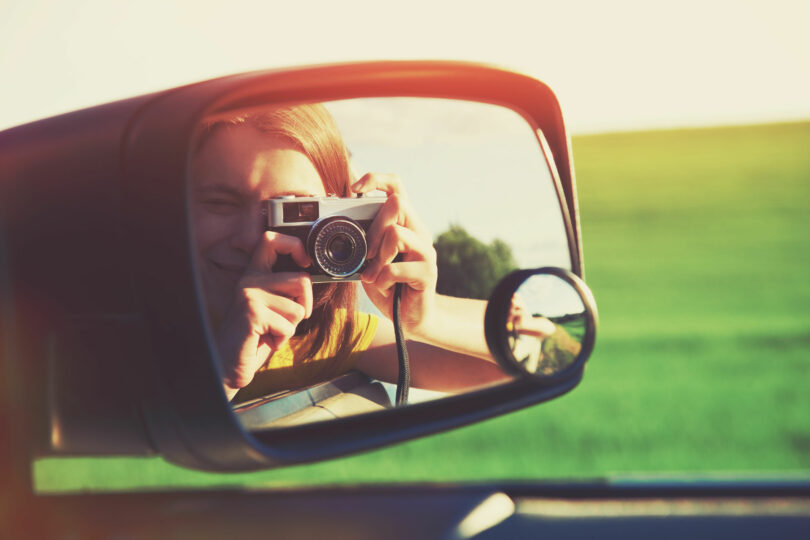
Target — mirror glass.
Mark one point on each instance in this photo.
(545, 324)
(304, 216)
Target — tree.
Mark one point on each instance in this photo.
(467, 267)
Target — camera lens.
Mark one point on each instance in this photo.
(340, 248)
(337, 246)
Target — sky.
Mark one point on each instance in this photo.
(459, 145)
(617, 65)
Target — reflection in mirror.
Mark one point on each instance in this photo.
(304, 218)
(541, 322)
(546, 324)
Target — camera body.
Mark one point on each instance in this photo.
(332, 229)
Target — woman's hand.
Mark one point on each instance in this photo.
(525, 323)
(396, 230)
(517, 311)
(265, 312)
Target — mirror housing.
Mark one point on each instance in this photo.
(90, 200)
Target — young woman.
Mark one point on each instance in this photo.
(276, 330)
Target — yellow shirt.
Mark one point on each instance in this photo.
(288, 368)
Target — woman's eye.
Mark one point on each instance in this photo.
(221, 205)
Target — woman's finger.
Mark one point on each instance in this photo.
(244, 351)
(273, 244)
(392, 212)
(396, 209)
(387, 182)
(418, 275)
(294, 285)
(398, 240)
(290, 309)
(272, 323)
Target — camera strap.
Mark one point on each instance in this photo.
(404, 378)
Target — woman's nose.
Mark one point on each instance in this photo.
(248, 232)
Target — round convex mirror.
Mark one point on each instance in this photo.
(541, 323)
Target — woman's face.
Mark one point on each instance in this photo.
(237, 168)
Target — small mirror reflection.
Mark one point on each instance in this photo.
(306, 216)
(546, 325)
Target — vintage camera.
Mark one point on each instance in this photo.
(333, 230)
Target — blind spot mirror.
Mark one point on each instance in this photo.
(541, 323)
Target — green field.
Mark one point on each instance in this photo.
(697, 248)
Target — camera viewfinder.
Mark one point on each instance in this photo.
(300, 212)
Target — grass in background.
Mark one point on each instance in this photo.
(697, 248)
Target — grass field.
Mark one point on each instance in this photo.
(697, 248)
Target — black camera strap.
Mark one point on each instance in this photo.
(404, 379)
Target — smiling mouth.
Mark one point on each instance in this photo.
(232, 271)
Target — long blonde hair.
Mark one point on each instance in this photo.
(311, 130)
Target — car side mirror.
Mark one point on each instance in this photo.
(112, 349)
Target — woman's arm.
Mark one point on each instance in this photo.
(446, 334)
(433, 367)
(458, 326)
